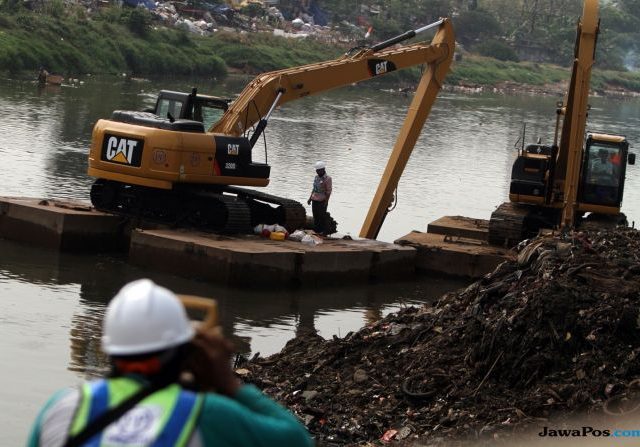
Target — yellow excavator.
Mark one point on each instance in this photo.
(575, 180)
(162, 164)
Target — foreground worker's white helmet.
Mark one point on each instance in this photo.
(320, 165)
(142, 318)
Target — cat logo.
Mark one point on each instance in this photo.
(233, 149)
(380, 66)
(121, 150)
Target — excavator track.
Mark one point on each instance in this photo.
(189, 207)
(288, 213)
(508, 224)
(219, 209)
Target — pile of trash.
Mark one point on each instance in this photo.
(555, 333)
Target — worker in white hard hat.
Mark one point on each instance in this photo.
(145, 400)
(319, 198)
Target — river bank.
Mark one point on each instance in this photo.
(115, 41)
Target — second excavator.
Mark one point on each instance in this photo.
(162, 165)
(574, 180)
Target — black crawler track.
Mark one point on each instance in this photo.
(218, 209)
(508, 224)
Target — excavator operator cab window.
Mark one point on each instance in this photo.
(168, 106)
(603, 173)
(209, 111)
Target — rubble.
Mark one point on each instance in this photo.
(207, 18)
(554, 333)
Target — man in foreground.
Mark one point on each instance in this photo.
(169, 386)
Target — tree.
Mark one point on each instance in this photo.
(475, 25)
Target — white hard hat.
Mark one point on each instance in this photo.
(142, 318)
(320, 165)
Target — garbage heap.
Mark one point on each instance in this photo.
(555, 333)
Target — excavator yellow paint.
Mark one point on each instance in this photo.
(425, 95)
(554, 186)
(161, 152)
(570, 155)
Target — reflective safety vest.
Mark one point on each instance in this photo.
(165, 418)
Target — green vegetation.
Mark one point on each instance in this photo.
(540, 30)
(112, 42)
(488, 71)
(265, 52)
(64, 40)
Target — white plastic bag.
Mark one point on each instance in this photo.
(297, 235)
(311, 240)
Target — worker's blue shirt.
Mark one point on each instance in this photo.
(249, 418)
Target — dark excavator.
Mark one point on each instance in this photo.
(575, 181)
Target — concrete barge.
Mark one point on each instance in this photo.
(63, 225)
(452, 245)
(457, 246)
(248, 260)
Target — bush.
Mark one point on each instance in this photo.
(497, 50)
(54, 8)
(139, 21)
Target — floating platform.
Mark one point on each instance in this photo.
(244, 260)
(457, 246)
(60, 225)
(453, 245)
(248, 260)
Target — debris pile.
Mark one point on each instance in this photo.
(555, 333)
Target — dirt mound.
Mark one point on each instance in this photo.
(556, 332)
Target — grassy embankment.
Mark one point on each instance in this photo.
(110, 44)
(118, 40)
(476, 70)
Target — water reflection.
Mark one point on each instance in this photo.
(258, 321)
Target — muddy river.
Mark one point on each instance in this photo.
(53, 303)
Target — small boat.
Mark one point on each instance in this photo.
(44, 77)
(54, 79)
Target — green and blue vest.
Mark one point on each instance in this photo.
(165, 418)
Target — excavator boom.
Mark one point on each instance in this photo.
(260, 95)
(162, 164)
(429, 86)
(575, 110)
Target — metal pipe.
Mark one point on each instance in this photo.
(263, 122)
(275, 103)
(405, 36)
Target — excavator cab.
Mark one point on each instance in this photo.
(603, 170)
(178, 105)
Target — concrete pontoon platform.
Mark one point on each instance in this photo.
(248, 260)
(460, 227)
(61, 225)
(453, 245)
(456, 246)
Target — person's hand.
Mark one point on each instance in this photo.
(309, 202)
(209, 362)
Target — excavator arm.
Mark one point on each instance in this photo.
(575, 113)
(429, 86)
(269, 90)
(170, 169)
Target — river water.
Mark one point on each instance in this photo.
(53, 303)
